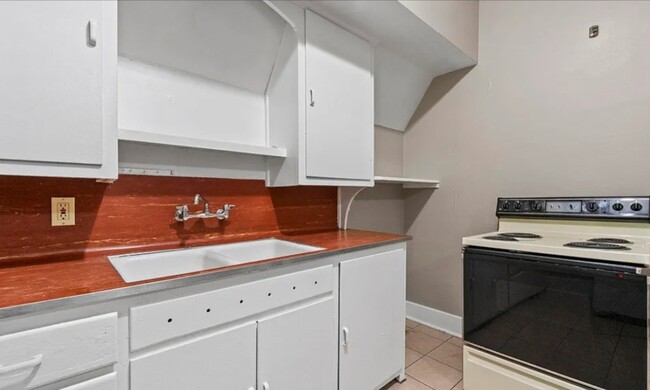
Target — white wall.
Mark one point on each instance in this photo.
(547, 111)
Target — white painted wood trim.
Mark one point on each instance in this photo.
(408, 182)
(162, 139)
(437, 319)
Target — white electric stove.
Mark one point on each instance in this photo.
(559, 295)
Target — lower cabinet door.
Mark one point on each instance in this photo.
(297, 349)
(372, 304)
(224, 360)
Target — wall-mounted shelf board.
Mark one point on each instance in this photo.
(408, 182)
(172, 140)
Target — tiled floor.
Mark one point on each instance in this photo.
(434, 360)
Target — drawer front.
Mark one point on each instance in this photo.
(106, 382)
(484, 371)
(154, 323)
(39, 356)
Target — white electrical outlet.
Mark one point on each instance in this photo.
(63, 211)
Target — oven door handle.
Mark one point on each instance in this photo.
(593, 265)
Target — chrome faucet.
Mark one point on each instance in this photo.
(183, 212)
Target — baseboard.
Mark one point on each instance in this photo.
(437, 319)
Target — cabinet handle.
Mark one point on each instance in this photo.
(30, 364)
(346, 336)
(311, 98)
(92, 33)
(265, 386)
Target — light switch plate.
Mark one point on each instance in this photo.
(63, 212)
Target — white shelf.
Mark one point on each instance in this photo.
(408, 182)
(172, 140)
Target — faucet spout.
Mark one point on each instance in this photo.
(206, 206)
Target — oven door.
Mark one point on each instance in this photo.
(582, 320)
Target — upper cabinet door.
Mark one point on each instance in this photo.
(297, 349)
(53, 80)
(339, 118)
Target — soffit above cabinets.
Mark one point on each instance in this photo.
(409, 53)
(233, 42)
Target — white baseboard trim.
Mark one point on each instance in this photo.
(437, 319)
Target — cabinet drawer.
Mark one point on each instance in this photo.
(39, 356)
(106, 382)
(485, 371)
(151, 324)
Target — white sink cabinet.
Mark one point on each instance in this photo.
(267, 328)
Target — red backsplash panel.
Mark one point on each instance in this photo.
(138, 212)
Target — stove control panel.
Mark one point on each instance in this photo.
(620, 208)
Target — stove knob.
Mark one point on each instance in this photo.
(536, 206)
(517, 205)
(592, 207)
(618, 206)
(636, 206)
(505, 205)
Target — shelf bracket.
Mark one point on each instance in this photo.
(346, 197)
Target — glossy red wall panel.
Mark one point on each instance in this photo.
(138, 212)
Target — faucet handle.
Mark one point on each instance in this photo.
(181, 213)
(224, 213)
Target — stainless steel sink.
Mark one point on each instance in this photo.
(143, 266)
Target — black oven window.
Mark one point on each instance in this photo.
(584, 324)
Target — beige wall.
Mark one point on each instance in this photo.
(381, 208)
(456, 20)
(547, 111)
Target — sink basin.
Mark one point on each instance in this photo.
(143, 266)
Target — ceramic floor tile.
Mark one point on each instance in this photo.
(434, 374)
(409, 384)
(421, 342)
(456, 341)
(411, 324)
(459, 386)
(411, 356)
(450, 354)
(433, 332)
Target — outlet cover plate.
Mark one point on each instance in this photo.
(63, 213)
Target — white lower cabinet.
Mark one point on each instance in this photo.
(371, 310)
(225, 360)
(292, 350)
(337, 324)
(45, 355)
(297, 350)
(272, 333)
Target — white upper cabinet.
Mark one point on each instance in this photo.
(339, 130)
(320, 103)
(58, 72)
(414, 42)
